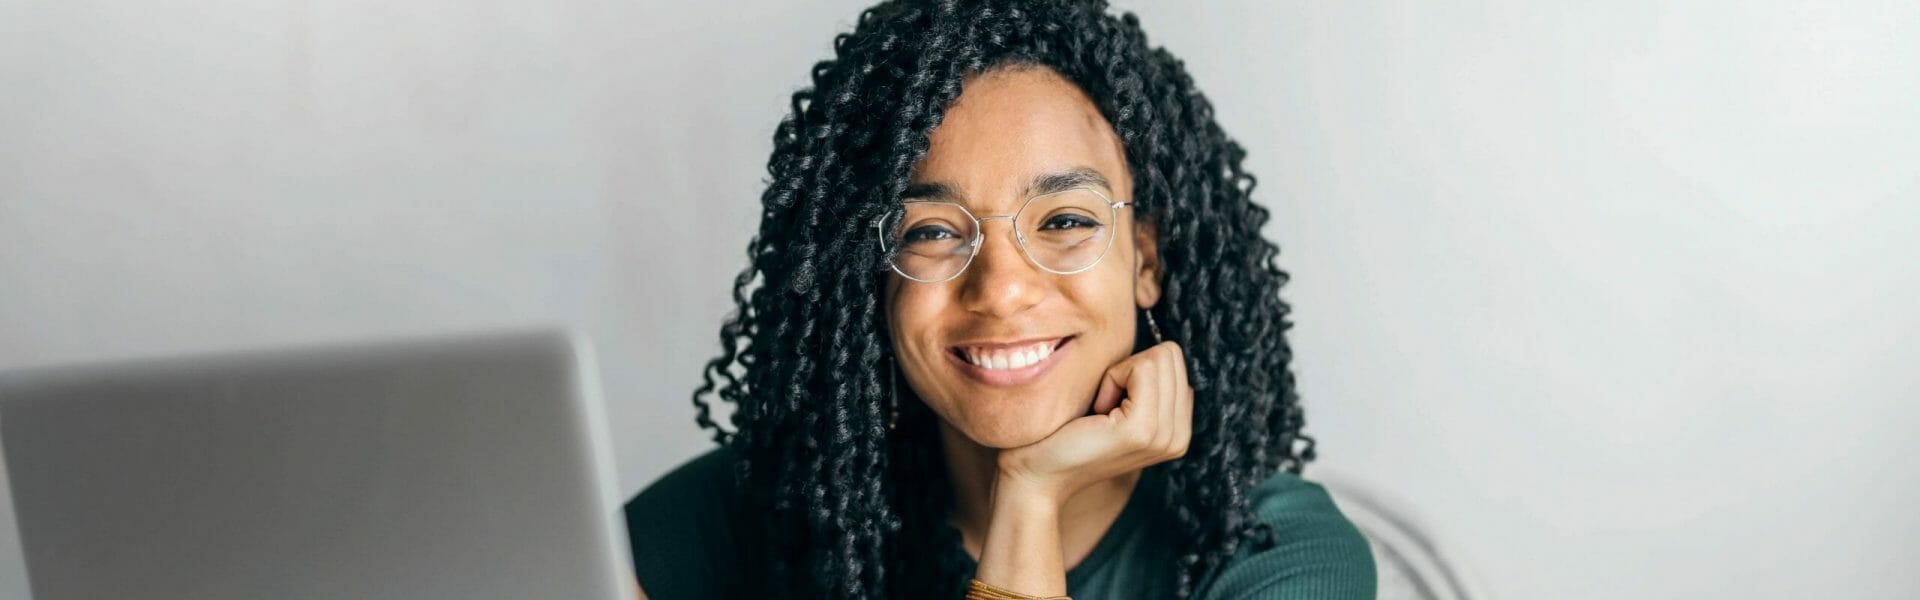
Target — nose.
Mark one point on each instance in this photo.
(1001, 281)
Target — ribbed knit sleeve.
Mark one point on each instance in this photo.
(1318, 554)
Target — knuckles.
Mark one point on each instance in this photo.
(1148, 438)
(1172, 350)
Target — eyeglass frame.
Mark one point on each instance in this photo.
(980, 234)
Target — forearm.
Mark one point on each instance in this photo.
(1022, 551)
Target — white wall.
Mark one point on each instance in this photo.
(1615, 293)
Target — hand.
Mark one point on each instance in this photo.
(1143, 415)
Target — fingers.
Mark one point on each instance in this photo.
(1178, 413)
(1148, 398)
(1113, 387)
(1169, 354)
(1139, 422)
(1183, 408)
(1175, 401)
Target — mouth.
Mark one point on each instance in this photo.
(1008, 364)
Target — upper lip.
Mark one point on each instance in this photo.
(998, 345)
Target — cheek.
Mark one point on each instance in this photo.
(1105, 296)
(912, 316)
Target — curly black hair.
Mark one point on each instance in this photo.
(855, 507)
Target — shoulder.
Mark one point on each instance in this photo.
(1316, 551)
(681, 529)
(697, 482)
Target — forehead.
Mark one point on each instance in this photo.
(1011, 126)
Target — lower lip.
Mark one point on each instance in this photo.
(1010, 377)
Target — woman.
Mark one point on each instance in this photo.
(1010, 330)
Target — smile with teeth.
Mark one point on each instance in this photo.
(1009, 358)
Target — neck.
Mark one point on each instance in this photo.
(972, 470)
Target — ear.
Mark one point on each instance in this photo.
(1146, 252)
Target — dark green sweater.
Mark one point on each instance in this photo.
(685, 544)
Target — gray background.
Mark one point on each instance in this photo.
(1616, 295)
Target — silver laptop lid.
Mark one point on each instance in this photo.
(468, 467)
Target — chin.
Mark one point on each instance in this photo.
(1012, 431)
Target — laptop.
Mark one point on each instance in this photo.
(467, 467)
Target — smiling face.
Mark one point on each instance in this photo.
(1006, 352)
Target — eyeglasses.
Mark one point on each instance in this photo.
(1063, 232)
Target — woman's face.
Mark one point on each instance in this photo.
(1009, 128)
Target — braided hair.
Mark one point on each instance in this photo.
(842, 466)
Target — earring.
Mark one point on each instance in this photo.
(1155, 327)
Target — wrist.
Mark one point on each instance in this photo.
(1027, 495)
(1022, 548)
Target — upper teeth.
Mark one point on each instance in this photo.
(1008, 358)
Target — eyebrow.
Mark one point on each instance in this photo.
(1065, 180)
(1045, 183)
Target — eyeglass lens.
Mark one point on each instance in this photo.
(1064, 232)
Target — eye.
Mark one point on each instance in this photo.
(1069, 221)
(928, 233)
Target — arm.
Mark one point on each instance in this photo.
(1143, 415)
(1022, 550)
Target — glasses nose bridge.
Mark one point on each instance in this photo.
(980, 234)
